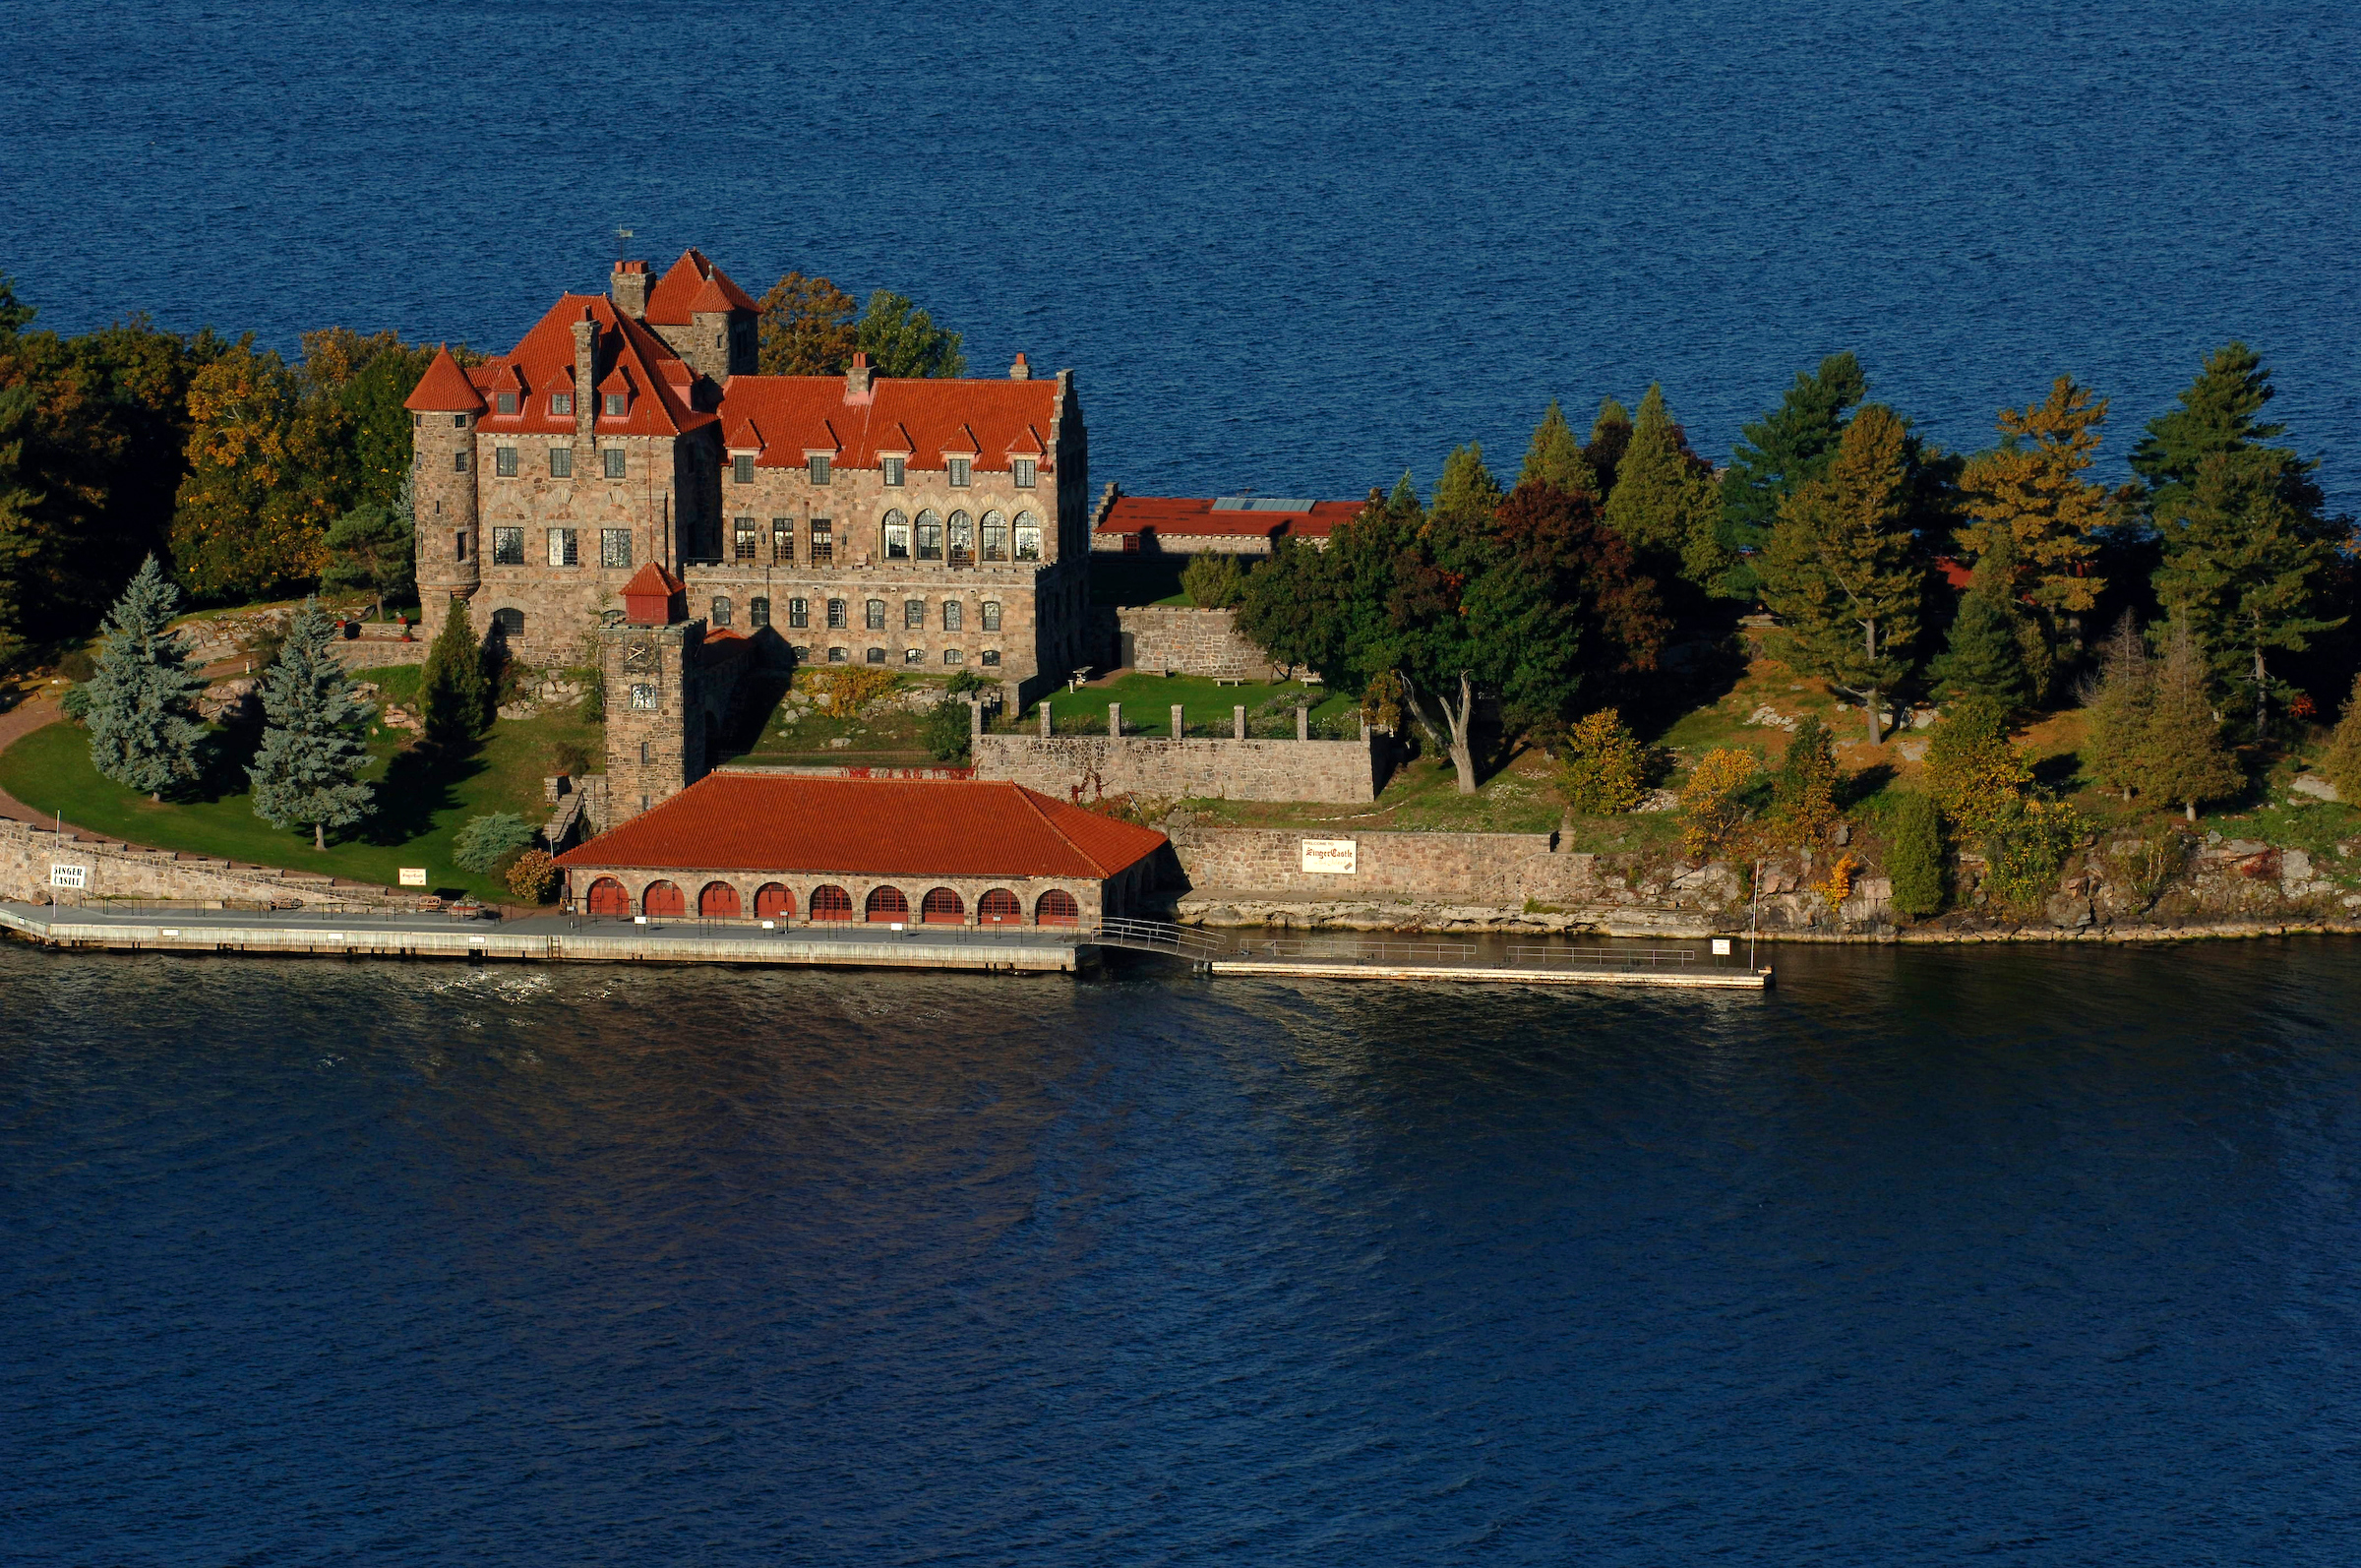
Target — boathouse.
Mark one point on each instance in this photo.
(801, 849)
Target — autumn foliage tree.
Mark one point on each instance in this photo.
(806, 328)
(251, 515)
(2033, 518)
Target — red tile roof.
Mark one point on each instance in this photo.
(624, 354)
(756, 821)
(1183, 516)
(444, 390)
(992, 419)
(695, 284)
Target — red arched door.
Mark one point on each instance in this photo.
(943, 907)
(1000, 908)
(887, 904)
(1057, 907)
(662, 898)
(607, 897)
(719, 901)
(774, 901)
(831, 903)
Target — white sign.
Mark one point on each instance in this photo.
(1721, 946)
(414, 876)
(1335, 857)
(69, 876)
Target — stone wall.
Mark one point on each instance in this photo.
(1087, 766)
(1436, 868)
(119, 870)
(1180, 639)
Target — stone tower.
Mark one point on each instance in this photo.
(652, 661)
(443, 410)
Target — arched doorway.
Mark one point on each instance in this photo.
(662, 898)
(831, 903)
(607, 897)
(774, 901)
(1057, 907)
(887, 904)
(943, 907)
(1000, 908)
(719, 901)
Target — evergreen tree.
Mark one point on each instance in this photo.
(1555, 457)
(2343, 764)
(1915, 863)
(2035, 516)
(1467, 493)
(2216, 414)
(1777, 453)
(2116, 722)
(1843, 572)
(1974, 770)
(2183, 756)
(901, 340)
(142, 699)
(372, 549)
(1804, 792)
(1610, 433)
(1664, 504)
(453, 693)
(1986, 654)
(308, 770)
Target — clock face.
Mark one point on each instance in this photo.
(638, 657)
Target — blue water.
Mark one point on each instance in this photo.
(1290, 247)
(1927, 1256)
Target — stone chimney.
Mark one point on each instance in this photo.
(857, 378)
(628, 289)
(585, 380)
(1020, 371)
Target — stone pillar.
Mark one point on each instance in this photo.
(1365, 729)
(1179, 725)
(1238, 720)
(975, 717)
(1115, 721)
(1303, 722)
(1045, 718)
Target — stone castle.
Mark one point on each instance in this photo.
(622, 483)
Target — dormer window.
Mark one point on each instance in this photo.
(505, 403)
(561, 403)
(1022, 472)
(820, 468)
(618, 403)
(893, 467)
(956, 470)
(742, 468)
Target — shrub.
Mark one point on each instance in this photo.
(946, 730)
(1916, 861)
(485, 841)
(2343, 764)
(966, 683)
(570, 757)
(1804, 793)
(1381, 701)
(1714, 804)
(1972, 770)
(2025, 850)
(534, 876)
(78, 666)
(1606, 768)
(1212, 580)
(845, 692)
(76, 703)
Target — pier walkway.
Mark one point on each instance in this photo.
(1032, 950)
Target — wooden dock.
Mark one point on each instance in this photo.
(1680, 979)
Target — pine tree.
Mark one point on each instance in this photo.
(372, 550)
(452, 690)
(308, 770)
(2343, 764)
(1779, 453)
(2216, 414)
(1664, 503)
(142, 699)
(2183, 756)
(2035, 516)
(1985, 655)
(1555, 457)
(1467, 493)
(1610, 433)
(1804, 793)
(1843, 571)
(2117, 718)
(1914, 862)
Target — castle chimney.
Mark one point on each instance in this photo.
(1020, 371)
(585, 381)
(857, 377)
(628, 289)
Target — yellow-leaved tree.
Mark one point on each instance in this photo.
(1715, 802)
(251, 515)
(2034, 514)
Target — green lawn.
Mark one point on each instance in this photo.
(420, 807)
(1424, 796)
(1147, 700)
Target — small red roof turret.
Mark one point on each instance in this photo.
(444, 390)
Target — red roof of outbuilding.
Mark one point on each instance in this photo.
(759, 821)
(661, 385)
(444, 390)
(694, 284)
(921, 416)
(1183, 516)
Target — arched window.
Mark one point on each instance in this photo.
(508, 623)
(930, 536)
(887, 904)
(996, 536)
(719, 901)
(1000, 908)
(963, 539)
(831, 903)
(607, 897)
(1057, 907)
(897, 536)
(774, 901)
(1028, 536)
(943, 907)
(662, 898)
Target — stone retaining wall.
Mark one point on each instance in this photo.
(1086, 766)
(120, 871)
(1183, 641)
